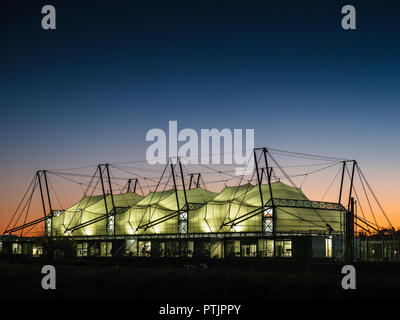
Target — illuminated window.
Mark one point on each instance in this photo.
(144, 248)
(182, 223)
(267, 221)
(82, 249)
(268, 225)
(48, 227)
(265, 248)
(328, 248)
(161, 249)
(183, 216)
(268, 213)
(183, 227)
(287, 248)
(232, 248)
(270, 248)
(283, 248)
(105, 249)
(249, 250)
(110, 225)
(131, 247)
(37, 250)
(17, 248)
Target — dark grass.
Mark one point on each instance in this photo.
(184, 280)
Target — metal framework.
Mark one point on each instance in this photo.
(267, 209)
(47, 215)
(109, 215)
(183, 221)
(288, 203)
(197, 180)
(130, 184)
(118, 210)
(306, 204)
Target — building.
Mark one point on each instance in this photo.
(259, 219)
(201, 223)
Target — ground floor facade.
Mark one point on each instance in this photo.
(377, 248)
(240, 245)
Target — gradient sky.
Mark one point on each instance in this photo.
(89, 91)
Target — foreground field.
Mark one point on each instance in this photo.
(146, 279)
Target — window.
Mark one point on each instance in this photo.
(268, 213)
(183, 216)
(48, 226)
(182, 223)
(17, 248)
(105, 249)
(131, 247)
(183, 227)
(283, 248)
(249, 250)
(268, 224)
(37, 250)
(82, 249)
(186, 248)
(328, 247)
(144, 248)
(161, 249)
(217, 249)
(270, 248)
(94, 249)
(265, 248)
(110, 225)
(233, 248)
(190, 248)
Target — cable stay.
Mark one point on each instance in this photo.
(104, 185)
(376, 199)
(366, 223)
(242, 195)
(151, 199)
(363, 182)
(47, 214)
(283, 171)
(88, 199)
(155, 222)
(132, 183)
(195, 181)
(181, 213)
(109, 214)
(305, 155)
(271, 202)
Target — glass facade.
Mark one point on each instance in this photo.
(82, 249)
(283, 248)
(37, 250)
(105, 249)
